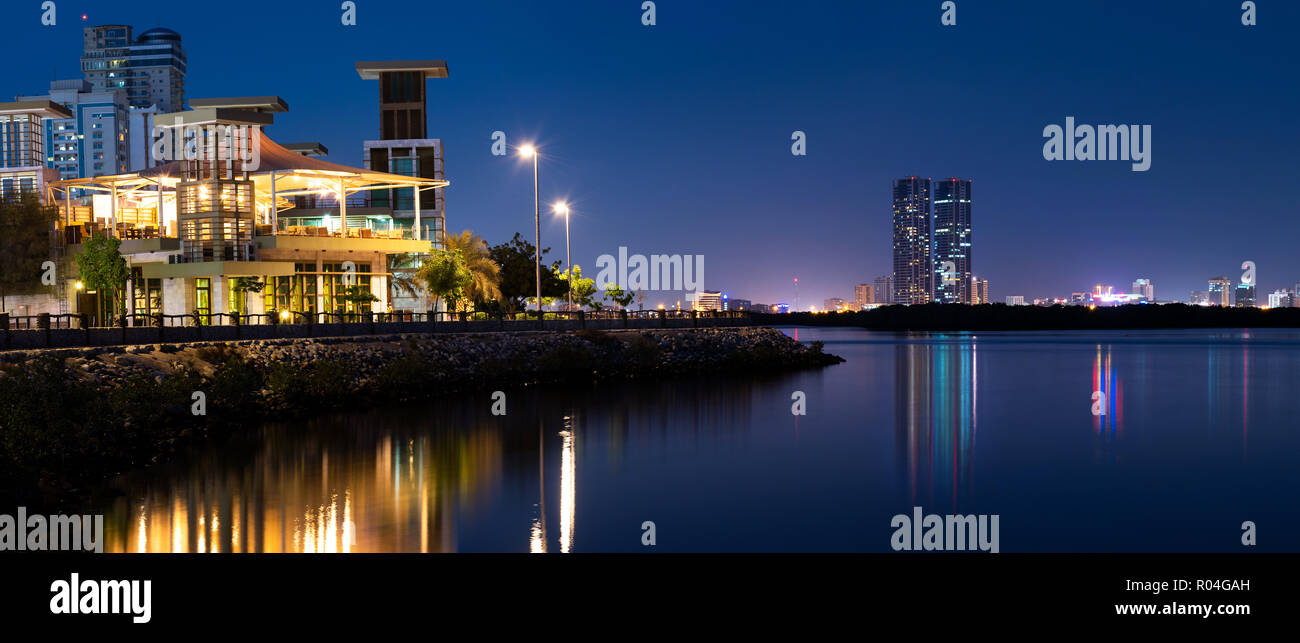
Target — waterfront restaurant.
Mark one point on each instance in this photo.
(190, 229)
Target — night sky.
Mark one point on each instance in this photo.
(675, 139)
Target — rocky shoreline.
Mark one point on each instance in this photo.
(72, 418)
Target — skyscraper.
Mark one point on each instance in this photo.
(913, 267)
(1145, 288)
(884, 290)
(952, 242)
(863, 295)
(96, 139)
(979, 291)
(1219, 291)
(150, 69)
(1245, 296)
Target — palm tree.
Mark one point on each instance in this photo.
(486, 283)
(402, 267)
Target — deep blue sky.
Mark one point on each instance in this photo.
(676, 138)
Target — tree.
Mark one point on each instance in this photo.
(241, 287)
(358, 296)
(403, 268)
(24, 246)
(518, 279)
(486, 274)
(583, 288)
(103, 268)
(445, 275)
(617, 295)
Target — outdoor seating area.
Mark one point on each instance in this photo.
(352, 233)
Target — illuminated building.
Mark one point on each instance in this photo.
(23, 128)
(403, 146)
(149, 69)
(736, 304)
(979, 291)
(833, 304)
(864, 294)
(951, 241)
(884, 290)
(191, 228)
(95, 139)
(1145, 288)
(913, 265)
(1219, 287)
(1244, 297)
(1200, 298)
(1015, 300)
(1279, 299)
(707, 300)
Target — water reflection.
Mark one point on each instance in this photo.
(936, 399)
(404, 480)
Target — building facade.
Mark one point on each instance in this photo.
(403, 146)
(95, 139)
(979, 291)
(150, 69)
(913, 262)
(864, 295)
(23, 149)
(884, 290)
(952, 241)
(1244, 297)
(707, 300)
(1220, 291)
(1144, 288)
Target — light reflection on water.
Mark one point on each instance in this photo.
(955, 423)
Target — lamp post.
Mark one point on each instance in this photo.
(563, 208)
(527, 151)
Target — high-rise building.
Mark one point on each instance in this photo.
(96, 139)
(1279, 299)
(1200, 298)
(403, 147)
(884, 290)
(1244, 296)
(952, 241)
(833, 304)
(22, 147)
(913, 265)
(150, 69)
(1220, 289)
(979, 291)
(1144, 288)
(864, 294)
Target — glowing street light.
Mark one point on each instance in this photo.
(563, 208)
(528, 151)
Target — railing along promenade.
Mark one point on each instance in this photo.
(80, 330)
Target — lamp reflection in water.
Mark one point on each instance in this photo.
(537, 542)
(936, 396)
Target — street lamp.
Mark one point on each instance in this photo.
(526, 152)
(563, 208)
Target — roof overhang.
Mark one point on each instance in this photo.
(262, 104)
(431, 68)
(206, 115)
(42, 108)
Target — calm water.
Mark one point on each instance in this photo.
(1199, 433)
